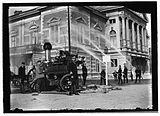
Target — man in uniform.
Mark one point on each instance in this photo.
(72, 68)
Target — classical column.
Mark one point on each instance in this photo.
(138, 37)
(123, 32)
(145, 45)
(133, 36)
(127, 33)
(142, 38)
(23, 29)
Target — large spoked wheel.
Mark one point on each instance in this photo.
(66, 82)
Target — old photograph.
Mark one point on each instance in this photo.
(80, 57)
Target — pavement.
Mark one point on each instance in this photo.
(128, 96)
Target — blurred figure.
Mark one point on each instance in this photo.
(22, 75)
(119, 75)
(115, 75)
(138, 74)
(103, 77)
(125, 74)
(84, 73)
(32, 72)
(132, 73)
(39, 83)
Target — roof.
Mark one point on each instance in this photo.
(100, 9)
(103, 9)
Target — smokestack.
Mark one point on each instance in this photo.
(47, 47)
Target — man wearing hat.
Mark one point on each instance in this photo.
(21, 73)
(72, 68)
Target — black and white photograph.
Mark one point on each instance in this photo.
(80, 57)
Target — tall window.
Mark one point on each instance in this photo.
(63, 35)
(81, 30)
(54, 33)
(26, 40)
(33, 37)
(80, 34)
(33, 29)
(13, 41)
(95, 38)
(113, 38)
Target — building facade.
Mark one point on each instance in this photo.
(31, 29)
(127, 38)
(90, 31)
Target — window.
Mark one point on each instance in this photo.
(26, 40)
(13, 41)
(111, 21)
(80, 33)
(33, 37)
(113, 38)
(95, 39)
(54, 33)
(114, 63)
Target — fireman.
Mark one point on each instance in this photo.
(72, 68)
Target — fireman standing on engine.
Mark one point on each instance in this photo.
(72, 68)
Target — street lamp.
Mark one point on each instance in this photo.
(106, 59)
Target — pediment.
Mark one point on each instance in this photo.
(81, 20)
(33, 25)
(97, 27)
(53, 20)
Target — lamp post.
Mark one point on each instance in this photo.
(106, 59)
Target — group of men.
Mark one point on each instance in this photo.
(36, 73)
(72, 68)
(124, 74)
(121, 74)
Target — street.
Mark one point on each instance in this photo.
(130, 96)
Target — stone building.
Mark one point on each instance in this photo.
(30, 29)
(127, 37)
(93, 29)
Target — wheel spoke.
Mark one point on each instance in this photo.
(66, 82)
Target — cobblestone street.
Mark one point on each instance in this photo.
(131, 96)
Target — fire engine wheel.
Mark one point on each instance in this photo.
(66, 82)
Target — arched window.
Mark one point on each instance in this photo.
(113, 38)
